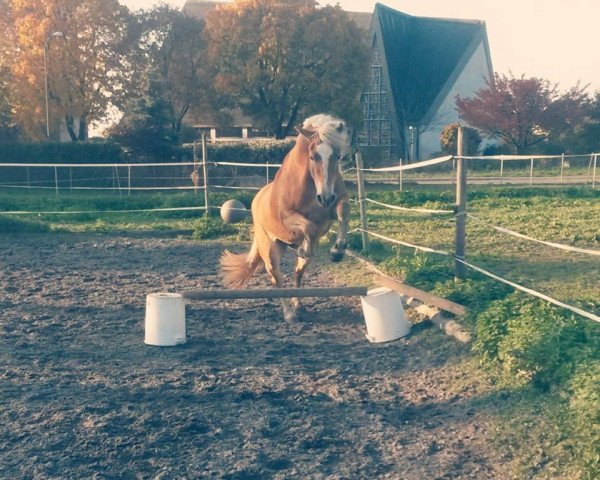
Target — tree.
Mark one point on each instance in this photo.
(279, 59)
(172, 45)
(523, 111)
(146, 130)
(84, 64)
(586, 137)
(8, 128)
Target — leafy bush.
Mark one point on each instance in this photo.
(211, 227)
(272, 151)
(449, 138)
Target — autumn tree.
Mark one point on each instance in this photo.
(8, 128)
(83, 63)
(279, 60)
(523, 111)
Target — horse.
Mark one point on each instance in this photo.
(297, 208)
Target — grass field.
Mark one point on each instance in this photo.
(559, 215)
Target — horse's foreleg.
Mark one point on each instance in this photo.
(305, 229)
(301, 264)
(272, 261)
(343, 213)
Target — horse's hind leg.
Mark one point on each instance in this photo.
(271, 253)
(301, 264)
(343, 212)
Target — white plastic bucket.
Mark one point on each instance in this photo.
(384, 315)
(165, 319)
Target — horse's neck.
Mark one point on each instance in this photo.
(296, 174)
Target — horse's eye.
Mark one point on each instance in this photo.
(316, 157)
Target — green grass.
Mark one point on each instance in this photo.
(560, 215)
(107, 219)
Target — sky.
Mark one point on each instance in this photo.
(551, 39)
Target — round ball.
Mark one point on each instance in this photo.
(233, 211)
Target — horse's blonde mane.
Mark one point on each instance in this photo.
(327, 128)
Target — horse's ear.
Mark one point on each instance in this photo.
(340, 127)
(305, 132)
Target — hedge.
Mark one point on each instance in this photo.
(52, 152)
(272, 151)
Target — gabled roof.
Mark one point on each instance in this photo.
(424, 57)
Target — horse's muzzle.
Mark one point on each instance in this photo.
(326, 200)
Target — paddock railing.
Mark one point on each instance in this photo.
(460, 214)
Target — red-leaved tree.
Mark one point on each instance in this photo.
(523, 111)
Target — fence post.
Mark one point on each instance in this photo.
(562, 167)
(205, 174)
(502, 170)
(362, 204)
(594, 171)
(400, 175)
(128, 180)
(267, 171)
(460, 208)
(531, 173)
(56, 180)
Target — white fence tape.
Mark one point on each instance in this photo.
(411, 166)
(522, 157)
(525, 237)
(535, 293)
(406, 209)
(235, 164)
(576, 310)
(80, 212)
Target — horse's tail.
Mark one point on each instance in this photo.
(236, 269)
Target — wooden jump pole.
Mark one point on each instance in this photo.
(274, 293)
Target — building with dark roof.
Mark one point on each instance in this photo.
(418, 67)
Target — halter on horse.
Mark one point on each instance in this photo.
(297, 208)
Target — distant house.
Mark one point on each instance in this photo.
(418, 67)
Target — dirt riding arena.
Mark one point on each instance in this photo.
(248, 396)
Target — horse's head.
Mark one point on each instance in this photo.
(329, 141)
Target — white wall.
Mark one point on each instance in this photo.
(469, 81)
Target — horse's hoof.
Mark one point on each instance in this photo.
(290, 316)
(336, 255)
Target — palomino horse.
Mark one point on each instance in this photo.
(297, 208)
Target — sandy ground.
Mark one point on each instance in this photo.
(248, 396)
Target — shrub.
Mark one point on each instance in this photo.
(448, 140)
(211, 227)
(272, 151)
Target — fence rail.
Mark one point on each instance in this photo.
(461, 215)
